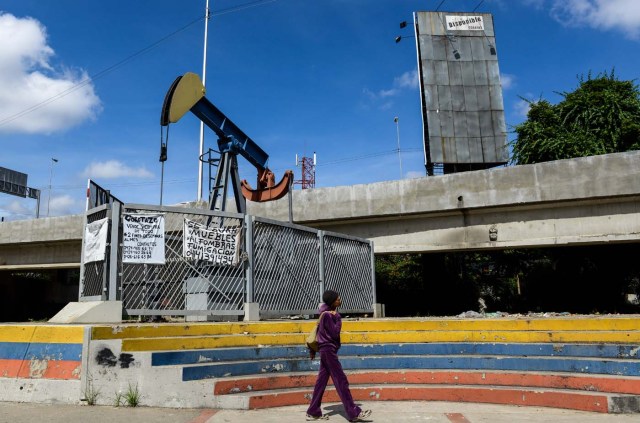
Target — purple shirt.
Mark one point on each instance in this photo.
(329, 329)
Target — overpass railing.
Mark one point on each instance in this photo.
(175, 261)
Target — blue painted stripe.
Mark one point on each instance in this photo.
(225, 354)
(449, 349)
(39, 351)
(531, 364)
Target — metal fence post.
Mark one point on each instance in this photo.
(82, 264)
(321, 262)
(248, 221)
(113, 293)
(373, 273)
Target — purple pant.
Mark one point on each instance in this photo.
(330, 366)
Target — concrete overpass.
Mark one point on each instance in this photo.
(590, 200)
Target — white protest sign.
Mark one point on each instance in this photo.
(143, 238)
(95, 240)
(217, 245)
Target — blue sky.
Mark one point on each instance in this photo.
(84, 82)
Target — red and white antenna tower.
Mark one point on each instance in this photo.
(308, 166)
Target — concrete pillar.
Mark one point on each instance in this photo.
(251, 312)
(378, 310)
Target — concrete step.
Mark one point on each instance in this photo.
(172, 343)
(620, 367)
(521, 396)
(578, 382)
(180, 336)
(424, 349)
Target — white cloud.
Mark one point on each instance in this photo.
(621, 15)
(113, 169)
(507, 81)
(521, 108)
(35, 97)
(61, 205)
(17, 207)
(406, 81)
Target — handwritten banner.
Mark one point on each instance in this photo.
(217, 245)
(143, 238)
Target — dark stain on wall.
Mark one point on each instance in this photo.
(106, 358)
(125, 360)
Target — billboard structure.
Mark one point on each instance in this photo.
(462, 108)
(15, 183)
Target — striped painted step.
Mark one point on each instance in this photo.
(173, 337)
(586, 358)
(589, 383)
(537, 364)
(499, 349)
(574, 400)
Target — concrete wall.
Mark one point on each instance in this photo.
(40, 243)
(40, 363)
(567, 202)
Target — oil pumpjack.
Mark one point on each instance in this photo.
(187, 93)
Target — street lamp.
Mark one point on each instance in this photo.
(50, 178)
(397, 121)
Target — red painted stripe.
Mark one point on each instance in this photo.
(9, 368)
(457, 418)
(40, 369)
(204, 416)
(619, 385)
(566, 400)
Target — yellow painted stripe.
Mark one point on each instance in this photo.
(41, 334)
(225, 341)
(233, 328)
(199, 329)
(496, 324)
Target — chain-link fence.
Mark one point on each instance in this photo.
(182, 285)
(346, 271)
(282, 267)
(93, 275)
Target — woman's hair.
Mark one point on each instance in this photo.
(329, 297)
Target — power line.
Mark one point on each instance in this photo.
(437, 8)
(478, 5)
(122, 62)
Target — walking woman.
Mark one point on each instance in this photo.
(328, 337)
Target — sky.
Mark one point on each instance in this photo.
(83, 82)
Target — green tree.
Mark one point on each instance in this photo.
(601, 116)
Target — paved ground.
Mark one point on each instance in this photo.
(383, 412)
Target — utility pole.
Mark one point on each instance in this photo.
(397, 121)
(204, 79)
(50, 178)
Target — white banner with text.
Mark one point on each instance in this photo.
(217, 245)
(143, 238)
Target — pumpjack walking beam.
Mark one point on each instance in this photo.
(188, 94)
